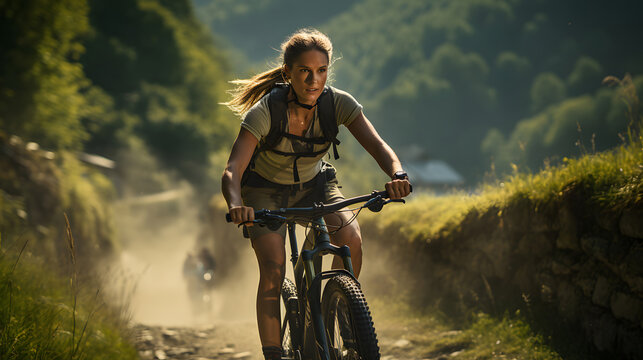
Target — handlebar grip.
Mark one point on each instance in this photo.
(258, 213)
(385, 193)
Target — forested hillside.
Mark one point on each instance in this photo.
(474, 82)
(257, 27)
(123, 77)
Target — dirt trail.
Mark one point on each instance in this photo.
(220, 341)
(240, 341)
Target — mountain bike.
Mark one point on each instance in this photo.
(339, 326)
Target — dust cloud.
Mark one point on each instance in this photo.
(157, 233)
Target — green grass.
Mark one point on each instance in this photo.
(507, 337)
(432, 335)
(45, 316)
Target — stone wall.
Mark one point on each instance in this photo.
(586, 263)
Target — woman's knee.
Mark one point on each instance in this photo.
(354, 238)
(272, 271)
(350, 236)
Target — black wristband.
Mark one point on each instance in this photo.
(400, 175)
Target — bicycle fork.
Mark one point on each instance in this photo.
(311, 262)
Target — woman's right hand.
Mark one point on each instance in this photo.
(242, 214)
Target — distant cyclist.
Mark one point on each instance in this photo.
(290, 122)
(198, 272)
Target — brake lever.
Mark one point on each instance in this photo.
(375, 204)
(272, 221)
(260, 222)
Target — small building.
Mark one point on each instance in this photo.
(427, 173)
(435, 174)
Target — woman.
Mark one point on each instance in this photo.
(289, 171)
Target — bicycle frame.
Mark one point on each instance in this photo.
(314, 275)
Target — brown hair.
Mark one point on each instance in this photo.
(249, 91)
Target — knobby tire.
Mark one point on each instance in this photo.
(291, 326)
(349, 326)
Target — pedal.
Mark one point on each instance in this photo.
(292, 306)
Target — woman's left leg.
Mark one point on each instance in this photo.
(348, 235)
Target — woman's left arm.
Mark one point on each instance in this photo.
(367, 136)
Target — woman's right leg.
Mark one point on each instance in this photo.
(271, 257)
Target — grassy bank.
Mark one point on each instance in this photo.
(612, 181)
(47, 316)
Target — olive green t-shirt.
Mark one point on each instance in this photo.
(279, 168)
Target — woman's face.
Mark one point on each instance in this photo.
(308, 75)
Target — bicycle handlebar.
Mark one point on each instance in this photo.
(319, 209)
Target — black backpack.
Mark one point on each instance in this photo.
(278, 105)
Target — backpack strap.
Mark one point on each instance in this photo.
(327, 119)
(278, 106)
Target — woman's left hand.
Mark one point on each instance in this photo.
(397, 188)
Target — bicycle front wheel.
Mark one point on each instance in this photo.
(351, 334)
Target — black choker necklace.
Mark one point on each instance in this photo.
(305, 106)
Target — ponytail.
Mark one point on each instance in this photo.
(249, 91)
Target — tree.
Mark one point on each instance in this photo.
(547, 89)
(167, 79)
(586, 76)
(41, 81)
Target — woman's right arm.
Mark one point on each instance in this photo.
(242, 150)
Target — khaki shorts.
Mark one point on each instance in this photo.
(272, 198)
